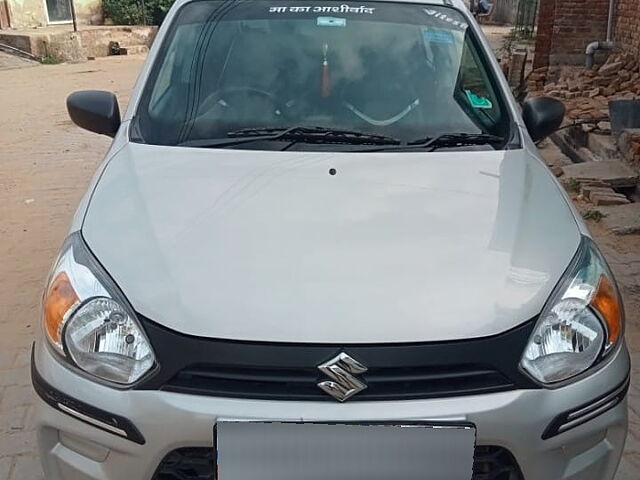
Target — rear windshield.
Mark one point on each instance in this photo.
(406, 71)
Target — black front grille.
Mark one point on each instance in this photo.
(187, 464)
(287, 371)
(301, 384)
(495, 463)
(490, 463)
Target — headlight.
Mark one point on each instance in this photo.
(580, 324)
(89, 322)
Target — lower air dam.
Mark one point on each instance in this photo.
(315, 451)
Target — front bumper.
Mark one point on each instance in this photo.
(515, 420)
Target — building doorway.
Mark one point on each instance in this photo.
(58, 11)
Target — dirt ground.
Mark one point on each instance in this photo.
(12, 61)
(496, 35)
(45, 166)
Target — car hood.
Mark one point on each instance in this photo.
(269, 246)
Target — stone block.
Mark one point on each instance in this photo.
(610, 68)
(613, 173)
(622, 220)
(604, 127)
(587, 191)
(603, 147)
(603, 199)
(67, 48)
(626, 140)
(516, 68)
(594, 93)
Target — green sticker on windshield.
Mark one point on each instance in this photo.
(478, 102)
(332, 22)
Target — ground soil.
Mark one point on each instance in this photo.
(46, 164)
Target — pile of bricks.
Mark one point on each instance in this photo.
(601, 194)
(601, 183)
(586, 92)
(537, 79)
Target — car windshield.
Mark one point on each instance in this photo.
(376, 72)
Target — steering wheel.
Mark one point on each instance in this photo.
(224, 98)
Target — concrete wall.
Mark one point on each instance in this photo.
(89, 12)
(24, 14)
(69, 46)
(504, 11)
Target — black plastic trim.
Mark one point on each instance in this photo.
(55, 398)
(601, 404)
(198, 463)
(187, 463)
(491, 462)
(490, 362)
(95, 110)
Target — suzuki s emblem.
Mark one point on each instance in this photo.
(341, 370)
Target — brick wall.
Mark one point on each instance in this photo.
(628, 26)
(544, 35)
(566, 27)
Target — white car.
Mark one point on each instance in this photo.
(323, 246)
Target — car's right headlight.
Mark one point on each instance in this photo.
(582, 322)
(89, 323)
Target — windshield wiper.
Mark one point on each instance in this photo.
(296, 134)
(446, 140)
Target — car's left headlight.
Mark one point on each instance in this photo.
(582, 322)
(89, 323)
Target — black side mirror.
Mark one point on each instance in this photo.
(542, 116)
(95, 110)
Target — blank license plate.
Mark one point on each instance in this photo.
(322, 451)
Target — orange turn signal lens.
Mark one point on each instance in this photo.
(607, 303)
(59, 299)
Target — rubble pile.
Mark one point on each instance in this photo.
(601, 183)
(601, 193)
(586, 92)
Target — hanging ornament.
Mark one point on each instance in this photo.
(325, 89)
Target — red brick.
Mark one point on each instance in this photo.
(567, 26)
